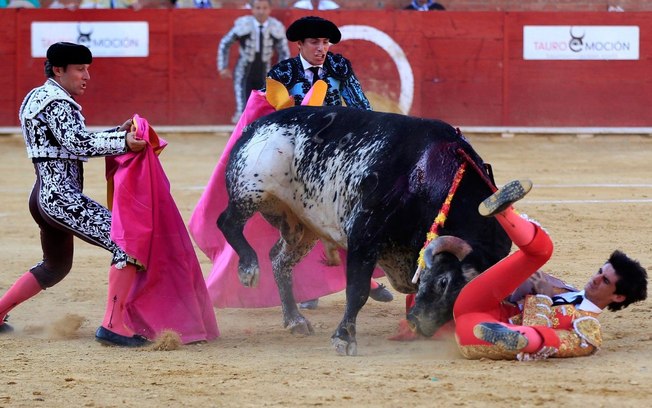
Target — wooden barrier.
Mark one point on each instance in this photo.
(463, 67)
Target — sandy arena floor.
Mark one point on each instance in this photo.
(593, 195)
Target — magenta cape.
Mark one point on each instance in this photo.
(311, 278)
(171, 292)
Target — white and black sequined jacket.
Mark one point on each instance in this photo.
(54, 128)
(244, 31)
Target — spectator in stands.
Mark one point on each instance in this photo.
(67, 4)
(106, 4)
(123, 4)
(23, 4)
(316, 5)
(258, 35)
(424, 5)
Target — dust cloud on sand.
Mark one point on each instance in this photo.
(592, 195)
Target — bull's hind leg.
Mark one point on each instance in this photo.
(296, 241)
(231, 222)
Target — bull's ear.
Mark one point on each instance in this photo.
(469, 272)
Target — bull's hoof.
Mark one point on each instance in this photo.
(249, 277)
(309, 304)
(301, 328)
(344, 348)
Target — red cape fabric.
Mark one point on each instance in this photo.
(171, 292)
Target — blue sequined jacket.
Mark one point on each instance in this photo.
(337, 73)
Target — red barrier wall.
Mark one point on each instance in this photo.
(468, 68)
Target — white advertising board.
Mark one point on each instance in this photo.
(581, 42)
(105, 39)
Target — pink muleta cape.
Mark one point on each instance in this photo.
(171, 292)
(311, 278)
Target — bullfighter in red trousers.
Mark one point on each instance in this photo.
(552, 320)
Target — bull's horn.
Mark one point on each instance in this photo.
(447, 243)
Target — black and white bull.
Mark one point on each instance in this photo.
(371, 183)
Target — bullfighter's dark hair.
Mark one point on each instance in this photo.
(47, 67)
(632, 282)
(49, 72)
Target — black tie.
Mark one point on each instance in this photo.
(315, 74)
(560, 300)
(260, 38)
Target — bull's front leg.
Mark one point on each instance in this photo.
(231, 222)
(359, 269)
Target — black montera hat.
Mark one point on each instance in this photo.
(63, 53)
(313, 27)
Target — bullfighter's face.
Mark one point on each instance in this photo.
(261, 10)
(601, 288)
(314, 50)
(73, 78)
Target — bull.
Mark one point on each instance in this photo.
(372, 183)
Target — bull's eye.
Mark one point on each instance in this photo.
(443, 283)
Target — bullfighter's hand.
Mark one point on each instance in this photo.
(134, 144)
(127, 125)
(540, 284)
(225, 73)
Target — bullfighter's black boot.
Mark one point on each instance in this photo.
(109, 338)
(504, 197)
(496, 333)
(381, 294)
(5, 327)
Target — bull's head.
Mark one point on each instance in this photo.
(440, 282)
